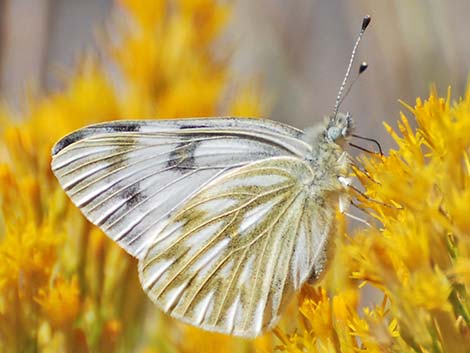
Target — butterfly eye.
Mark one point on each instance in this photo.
(334, 133)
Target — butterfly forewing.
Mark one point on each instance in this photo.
(233, 255)
(129, 177)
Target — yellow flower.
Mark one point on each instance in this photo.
(422, 236)
(418, 253)
(428, 290)
(28, 244)
(60, 302)
(317, 307)
(63, 285)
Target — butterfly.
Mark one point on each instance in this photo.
(228, 217)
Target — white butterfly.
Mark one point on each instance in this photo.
(228, 216)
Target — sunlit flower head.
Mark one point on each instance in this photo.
(415, 254)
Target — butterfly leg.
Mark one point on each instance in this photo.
(344, 202)
(356, 169)
(363, 221)
(356, 190)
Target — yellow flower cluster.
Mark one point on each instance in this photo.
(416, 256)
(64, 287)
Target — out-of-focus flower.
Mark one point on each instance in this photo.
(60, 302)
(63, 285)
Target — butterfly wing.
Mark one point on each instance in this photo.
(128, 177)
(231, 258)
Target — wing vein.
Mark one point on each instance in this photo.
(193, 257)
(287, 266)
(252, 297)
(147, 199)
(228, 213)
(126, 166)
(175, 206)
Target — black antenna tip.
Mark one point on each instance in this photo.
(365, 22)
(363, 67)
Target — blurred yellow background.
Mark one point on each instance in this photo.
(299, 48)
(64, 64)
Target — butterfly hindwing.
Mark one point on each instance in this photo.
(233, 255)
(129, 177)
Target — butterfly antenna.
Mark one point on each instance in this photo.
(339, 97)
(363, 67)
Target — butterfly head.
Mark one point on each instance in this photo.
(339, 128)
